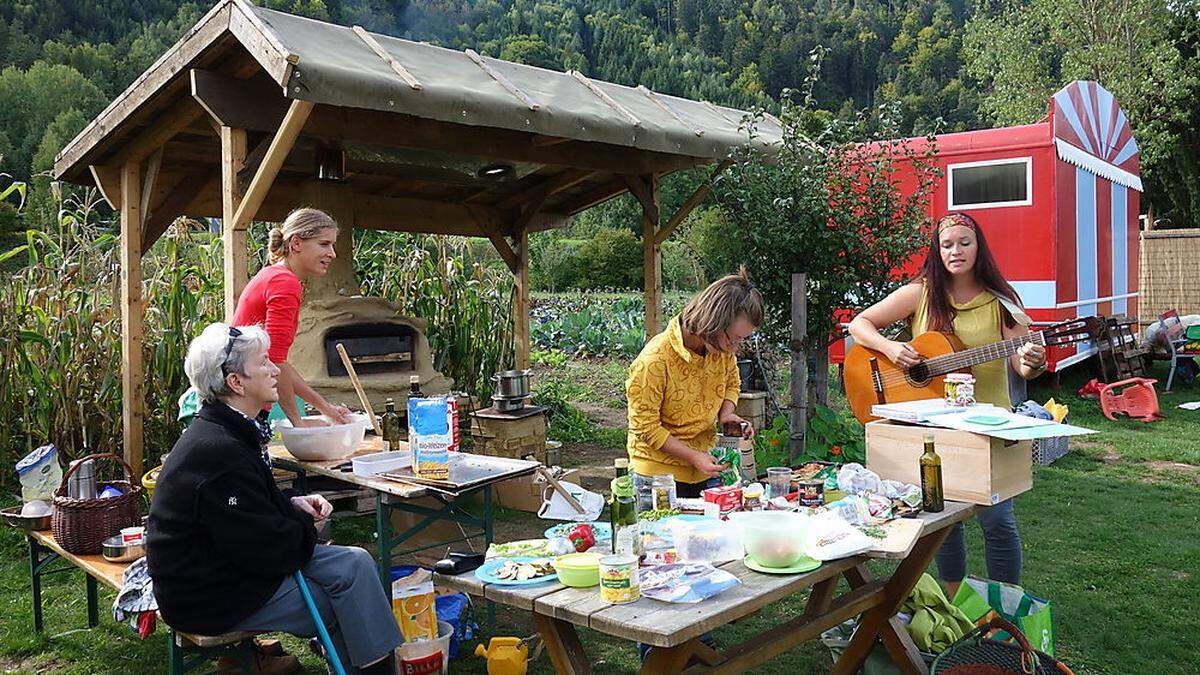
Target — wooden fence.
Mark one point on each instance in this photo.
(1169, 273)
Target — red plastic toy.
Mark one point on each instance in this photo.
(1137, 399)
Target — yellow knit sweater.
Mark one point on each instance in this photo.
(672, 391)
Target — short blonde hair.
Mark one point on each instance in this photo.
(304, 223)
(711, 312)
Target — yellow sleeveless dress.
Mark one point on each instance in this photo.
(978, 322)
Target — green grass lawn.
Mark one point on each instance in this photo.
(1109, 536)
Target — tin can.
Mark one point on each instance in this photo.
(960, 389)
(812, 492)
(619, 582)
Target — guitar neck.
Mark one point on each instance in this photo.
(948, 363)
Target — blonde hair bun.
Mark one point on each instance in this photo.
(305, 223)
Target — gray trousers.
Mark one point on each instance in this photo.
(344, 583)
(1001, 546)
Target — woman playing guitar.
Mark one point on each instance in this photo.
(960, 290)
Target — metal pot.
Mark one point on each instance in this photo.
(114, 549)
(512, 383)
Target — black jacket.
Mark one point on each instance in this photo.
(221, 535)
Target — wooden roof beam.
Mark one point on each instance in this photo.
(600, 94)
(688, 205)
(503, 81)
(387, 58)
(108, 180)
(281, 145)
(547, 188)
(237, 103)
(593, 197)
(643, 190)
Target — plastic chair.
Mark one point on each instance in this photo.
(1134, 397)
(331, 654)
(1173, 337)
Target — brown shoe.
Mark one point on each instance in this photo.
(261, 665)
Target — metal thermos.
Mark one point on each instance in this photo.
(82, 483)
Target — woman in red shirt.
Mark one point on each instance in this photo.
(301, 247)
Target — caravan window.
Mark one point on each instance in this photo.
(993, 183)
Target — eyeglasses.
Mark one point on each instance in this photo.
(234, 334)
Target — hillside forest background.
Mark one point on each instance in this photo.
(937, 65)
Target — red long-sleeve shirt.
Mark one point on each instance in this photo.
(272, 300)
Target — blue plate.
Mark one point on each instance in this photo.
(487, 572)
(603, 530)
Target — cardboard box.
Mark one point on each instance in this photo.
(975, 468)
(525, 493)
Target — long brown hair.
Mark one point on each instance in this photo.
(716, 308)
(937, 278)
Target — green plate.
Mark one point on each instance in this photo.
(986, 420)
(805, 564)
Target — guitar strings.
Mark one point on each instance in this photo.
(958, 360)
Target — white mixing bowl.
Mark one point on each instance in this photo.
(316, 444)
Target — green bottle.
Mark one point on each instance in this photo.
(390, 422)
(623, 518)
(931, 478)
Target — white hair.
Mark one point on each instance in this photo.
(206, 364)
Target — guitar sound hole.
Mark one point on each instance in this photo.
(918, 375)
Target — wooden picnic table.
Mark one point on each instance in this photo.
(674, 630)
(395, 496)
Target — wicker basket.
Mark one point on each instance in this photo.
(976, 654)
(81, 525)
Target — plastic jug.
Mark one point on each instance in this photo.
(505, 656)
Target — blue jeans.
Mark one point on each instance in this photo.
(345, 587)
(1001, 546)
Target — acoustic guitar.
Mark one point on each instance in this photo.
(871, 378)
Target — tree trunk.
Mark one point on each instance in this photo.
(798, 408)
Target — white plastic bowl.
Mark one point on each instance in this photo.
(772, 538)
(317, 444)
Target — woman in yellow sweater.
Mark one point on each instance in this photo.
(686, 380)
(961, 291)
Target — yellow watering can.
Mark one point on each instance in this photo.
(505, 656)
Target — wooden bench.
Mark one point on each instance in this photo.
(185, 650)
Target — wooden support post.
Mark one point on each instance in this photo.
(233, 239)
(821, 377)
(691, 203)
(281, 145)
(651, 259)
(521, 300)
(798, 410)
(133, 374)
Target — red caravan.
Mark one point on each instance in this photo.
(1058, 201)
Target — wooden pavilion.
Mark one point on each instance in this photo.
(255, 112)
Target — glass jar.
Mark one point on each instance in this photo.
(662, 492)
(960, 389)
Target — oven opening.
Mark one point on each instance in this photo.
(372, 347)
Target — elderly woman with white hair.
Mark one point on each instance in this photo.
(224, 541)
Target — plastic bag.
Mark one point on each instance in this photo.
(708, 541)
(555, 506)
(829, 538)
(731, 457)
(685, 582)
(40, 474)
(412, 604)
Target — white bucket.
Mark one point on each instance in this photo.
(427, 657)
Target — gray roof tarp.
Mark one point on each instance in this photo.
(338, 68)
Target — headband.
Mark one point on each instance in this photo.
(952, 219)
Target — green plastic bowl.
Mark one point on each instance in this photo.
(580, 570)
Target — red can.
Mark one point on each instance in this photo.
(728, 498)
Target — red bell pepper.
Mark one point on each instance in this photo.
(582, 537)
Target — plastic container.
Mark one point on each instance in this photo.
(712, 541)
(427, 656)
(378, 462)
(318, 444)
(772, 538)
(578, 570)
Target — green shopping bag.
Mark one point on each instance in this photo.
(982, 599)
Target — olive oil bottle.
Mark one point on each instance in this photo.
(931, 478)
(390, 423)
